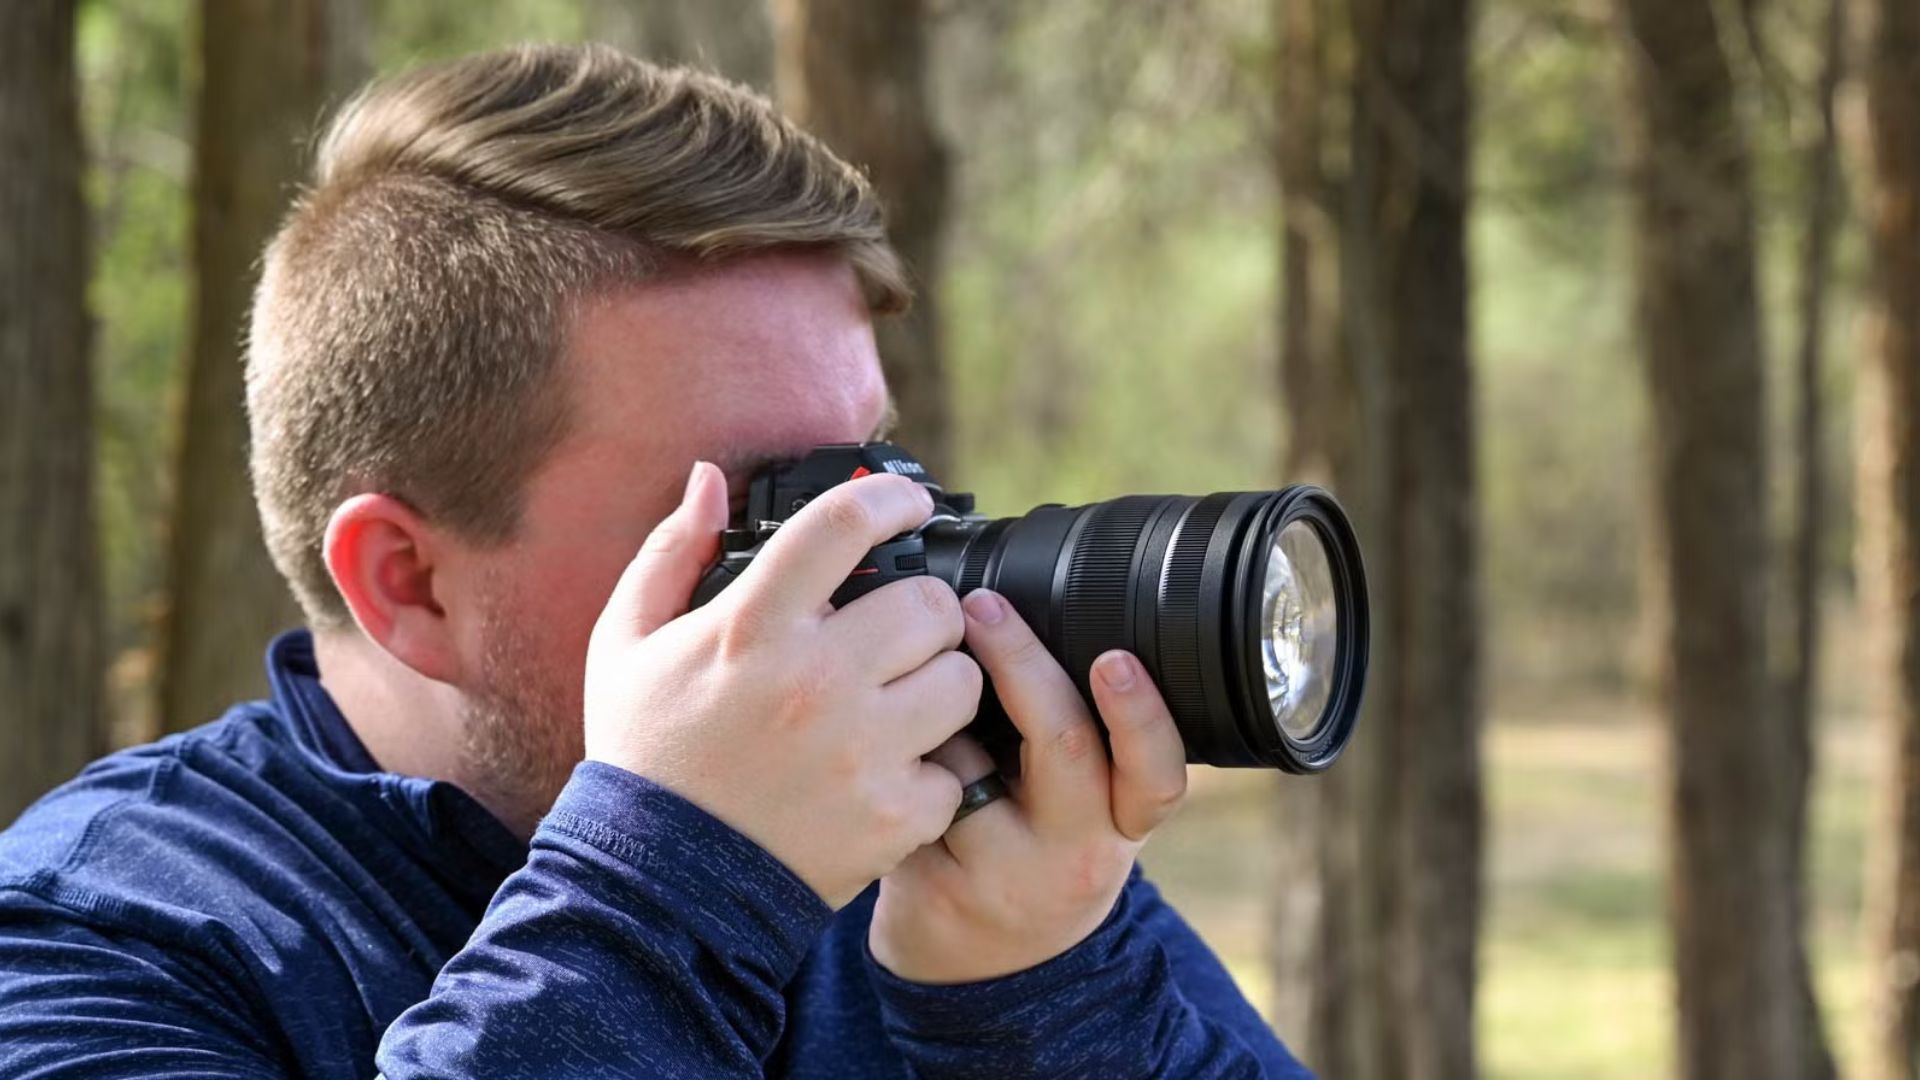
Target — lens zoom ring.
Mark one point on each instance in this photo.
(1178, 624)
(973, 567)
(1099, 582)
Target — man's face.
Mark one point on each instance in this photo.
(754, 360)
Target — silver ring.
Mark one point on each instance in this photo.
(979, 793)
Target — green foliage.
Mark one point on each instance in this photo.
(1547, 152)
(407, 32)
(1562, 469)
(133, 72)
(1110, 286)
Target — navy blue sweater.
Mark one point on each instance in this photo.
(255, 898)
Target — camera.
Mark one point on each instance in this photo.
(1249, 608)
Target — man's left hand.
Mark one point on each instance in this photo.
(1029, 876)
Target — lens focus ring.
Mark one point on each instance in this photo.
(1093, 615)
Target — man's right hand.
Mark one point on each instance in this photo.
(800, 726)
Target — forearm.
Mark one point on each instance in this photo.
(643, 936)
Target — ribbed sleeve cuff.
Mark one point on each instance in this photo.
(1078, 1014)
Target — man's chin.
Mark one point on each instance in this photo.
(516, 757)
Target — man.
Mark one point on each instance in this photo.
(542, 309)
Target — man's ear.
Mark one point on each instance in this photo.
(382, 556)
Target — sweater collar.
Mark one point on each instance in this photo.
(450, 827)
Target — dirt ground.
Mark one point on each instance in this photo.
(1574, 980)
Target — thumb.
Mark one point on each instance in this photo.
(658, 584)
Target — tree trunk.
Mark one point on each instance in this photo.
(1328, 938)
(1403, 810)
(1798, 696)
(853, 72)
(1890, 517)
(1356, 1030)
(1309, 236)
(1307, 246)
(267, 68)
(1740, 974)
(50, 607)
(1417, 67)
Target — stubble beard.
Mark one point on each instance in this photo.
(521, 728)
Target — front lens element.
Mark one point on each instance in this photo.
(1299, 617)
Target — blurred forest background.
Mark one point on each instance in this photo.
(1603, 315)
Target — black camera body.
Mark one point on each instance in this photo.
(1248, 609)
(779, 492)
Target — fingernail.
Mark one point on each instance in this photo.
(984, 607)
(1116, 670)
(693, 480)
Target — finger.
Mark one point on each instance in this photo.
(812, 554)
(936, 797)
(994, 828)
(929, 704)
(1149, 758)
(963, 756)
(657, 586)
(1062, 762)
(899, 626)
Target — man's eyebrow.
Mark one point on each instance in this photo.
(749, 461)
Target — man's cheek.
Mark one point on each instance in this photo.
(563, 594)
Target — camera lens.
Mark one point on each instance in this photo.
(1301, 619)
(1248, 608)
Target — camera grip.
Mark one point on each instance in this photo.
(902, 557)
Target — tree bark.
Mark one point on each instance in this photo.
(1309, 312)
(1798, 696)
(1890, 521)
(1816, 264)
(1308, 248)
(50, 607)
(1416, 67)
(1356, 1030)
(853, 72)
(1741, 977)
(1403, 811)
(266, 70)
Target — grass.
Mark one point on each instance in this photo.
(1574, 965)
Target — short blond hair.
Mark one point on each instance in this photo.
(413, 305)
